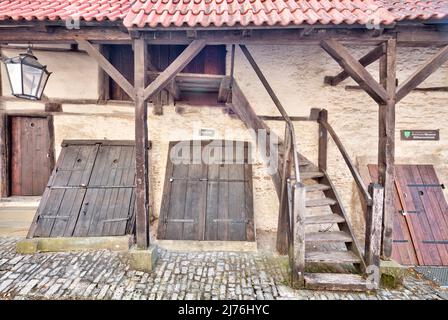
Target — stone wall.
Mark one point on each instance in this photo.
(296, 74)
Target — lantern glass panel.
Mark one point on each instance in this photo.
(43, 82)
(31, 80)
(15, 77)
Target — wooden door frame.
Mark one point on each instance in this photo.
(5, 146)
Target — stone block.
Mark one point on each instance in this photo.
(392, 274)
(143, 259)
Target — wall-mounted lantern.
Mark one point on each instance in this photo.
(27, 77)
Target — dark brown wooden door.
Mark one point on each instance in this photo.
(31, 155)
(90, 193)
(122, 58)
(421, 217)
(208, 201)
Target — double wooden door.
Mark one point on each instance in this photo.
(208, 201)
(31, 155)
(420, 234)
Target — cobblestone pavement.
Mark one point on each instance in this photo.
(215, 275)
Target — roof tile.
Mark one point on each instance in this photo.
(193, 13)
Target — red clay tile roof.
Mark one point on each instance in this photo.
(258, 12)
(64, 9)
(165, 13)
(418, 9)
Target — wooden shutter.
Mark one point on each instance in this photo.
(421, 217)
(90, 193)
(207, 201)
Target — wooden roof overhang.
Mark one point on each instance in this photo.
(406, 34)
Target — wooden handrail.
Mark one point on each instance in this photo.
(358, 180)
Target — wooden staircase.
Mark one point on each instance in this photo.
(329, 238)
(313, 227)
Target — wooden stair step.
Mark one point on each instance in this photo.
(332, 236)
(335, 281)
(320, 202)
(317, 187)
(324, 219)
(311, 175)
(331, 257)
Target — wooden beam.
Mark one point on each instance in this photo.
(224, 90)
(386, 144)
(60, 34)
(174, 68)
(352, 66)
(365, 61)
(323, 140)
(374, 220)
(103, 77)
(299, 234)
(141, 145)
(108, 67)
(422, 73)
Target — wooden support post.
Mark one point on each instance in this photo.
(103, 77)
(283, 239)
(323, 140)
(299, 210)
(386, 143)
(374, 220)
(141, 145)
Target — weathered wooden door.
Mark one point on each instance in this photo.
(90, 193)
(208, 200)
(31, 159)
(421, 218)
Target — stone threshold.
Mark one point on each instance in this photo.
(63, 244)
(207, 246)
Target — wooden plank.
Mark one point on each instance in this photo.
(107, 67)
(333, 236)
(320, 202)
(212, 213)
(249, 198)
(237, 203)
(352, 66)
(335, 281)
(175, 67)
(435, 217)
(324, 219)
(365, 61)
(166, 196)
(386, 143)
(224, 90)
(223, 204)
(331, 257)
(417, 221)
(374, 219)
(177, 202)
(422, 73)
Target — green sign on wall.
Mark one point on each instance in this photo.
(420, 135)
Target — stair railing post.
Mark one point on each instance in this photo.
(323, 140)
(374, 222)
(299, 235)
